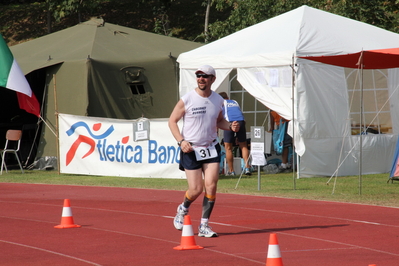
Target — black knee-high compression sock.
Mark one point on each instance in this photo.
(187, 201)
(207, 206)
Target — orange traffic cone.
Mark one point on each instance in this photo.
(187, 237)
(273, 254)
(67, 218)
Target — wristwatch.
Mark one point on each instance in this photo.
(179, 142)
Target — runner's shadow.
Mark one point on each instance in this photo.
(260, 231)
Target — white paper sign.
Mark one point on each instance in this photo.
(258, 159)
(257, 153)
(141, 135)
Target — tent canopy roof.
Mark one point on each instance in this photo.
(307, 32)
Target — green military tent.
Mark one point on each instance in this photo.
(96, 69)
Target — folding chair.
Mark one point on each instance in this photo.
(13, 137)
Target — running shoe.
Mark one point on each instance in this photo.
(247, 171)
(282, 169)
(231, 173)
(179, 218)
(204, 230)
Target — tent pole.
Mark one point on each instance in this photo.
(56, 123)
(293, 122)
(177, 70)
(37, 129)
(361, 124)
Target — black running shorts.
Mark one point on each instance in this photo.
(189, 161)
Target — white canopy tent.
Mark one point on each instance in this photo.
(320, 103)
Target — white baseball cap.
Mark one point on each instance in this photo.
(207, 69)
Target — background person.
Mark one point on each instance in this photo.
(275, 119)
(201, 110)
(232, 112)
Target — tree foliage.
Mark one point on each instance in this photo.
(59, 9)
(244, 13)
(62, 8)
(161, 17)
(195, 20)
(380, 13)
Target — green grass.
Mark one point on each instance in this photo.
(374, 189)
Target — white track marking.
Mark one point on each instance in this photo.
(312, 215)
(49, 251)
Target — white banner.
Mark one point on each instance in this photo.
(106, 147)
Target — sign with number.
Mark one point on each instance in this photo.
(257, 133)
(203, 153)
(258, 146)
(140, 126)
(141, 130)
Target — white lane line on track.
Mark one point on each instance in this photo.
(244, 227)
(317, 249)
(245, 208)
(135, 235)
(174, 242)
(312, 238)
(344, 244)
(221, 252)
(49, 251)
(367, 222)
(230, 225)
(313, 215)
(351, 246)
(226, 206)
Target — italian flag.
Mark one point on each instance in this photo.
(12, 77)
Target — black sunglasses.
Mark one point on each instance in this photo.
(205, 76)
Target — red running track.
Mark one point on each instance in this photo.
(126, 226)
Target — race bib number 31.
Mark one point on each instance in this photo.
(203, 153)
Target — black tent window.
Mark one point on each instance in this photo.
(135, 79)
(137, 88)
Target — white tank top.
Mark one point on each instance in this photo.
(200, 118)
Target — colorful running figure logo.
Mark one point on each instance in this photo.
(85, 139)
